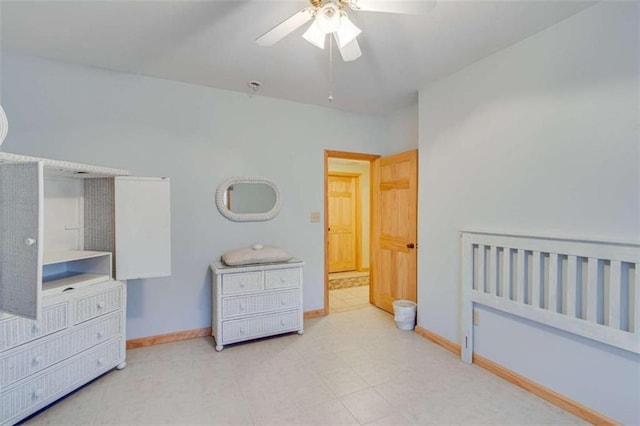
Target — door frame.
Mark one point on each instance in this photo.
(347, 156)
(358, 213)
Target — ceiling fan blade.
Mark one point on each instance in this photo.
(283, 29)
(414, 7)
(350, 51)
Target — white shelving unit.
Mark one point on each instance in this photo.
(65, 270)
(62, 297)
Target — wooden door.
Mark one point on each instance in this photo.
(21, 238)
(342, 222)
(394, 205)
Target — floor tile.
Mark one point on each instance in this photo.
(367, 405)
(348, 368)
(344, 381)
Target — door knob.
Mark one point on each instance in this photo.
(411, 245)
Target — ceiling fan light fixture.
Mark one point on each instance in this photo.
(347, 31)
(315, 35)
(328, 18)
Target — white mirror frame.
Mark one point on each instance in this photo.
(247, 217)
(4, 125)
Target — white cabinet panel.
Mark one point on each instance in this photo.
(143, 227)
(63, 209)
(21, 232)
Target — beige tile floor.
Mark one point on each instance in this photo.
(347, 369)
(348, 299)
(348, 274)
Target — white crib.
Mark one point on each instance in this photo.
(588, 288)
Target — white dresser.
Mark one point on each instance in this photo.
(70, 235)
(80, 335)
(256, 301)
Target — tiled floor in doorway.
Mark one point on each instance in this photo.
(348, 299)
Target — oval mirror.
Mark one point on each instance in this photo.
(245, 199)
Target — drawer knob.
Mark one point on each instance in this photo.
(29, 241)
(282, 323)
(101, 361)
(242, 306)
(283, 280)
(37, 394)
(100, 334)
(242, 332)
(100, 305)
(37, 359)
(283, 302)
(35, 328)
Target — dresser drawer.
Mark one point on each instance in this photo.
(282, 278)
(257, 303)
(18, 364)
(250, 328)
(242, 283)
(86, 308)
(15, 330)
(59, 380)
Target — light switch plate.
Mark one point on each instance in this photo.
(315, 217)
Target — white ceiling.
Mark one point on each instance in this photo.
(211, 43)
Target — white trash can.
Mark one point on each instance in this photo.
(405, 314)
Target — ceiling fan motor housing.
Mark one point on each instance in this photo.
(340, 3)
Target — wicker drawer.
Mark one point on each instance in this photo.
(250, 328)
(282, 278)
(86, 308)
(264, 302)
(242, 282)
(18, 364)
(15, 330)
(58, 380)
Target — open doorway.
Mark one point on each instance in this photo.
(392, 230)
(347, 230)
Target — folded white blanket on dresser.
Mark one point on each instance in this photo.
(255, 254)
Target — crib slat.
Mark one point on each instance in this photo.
(521, 274)
(553, 282)
(467, 302)
(614, 294)
(482, 268)
(493, 270)
(592, 290)
(636, 303)
(506, 273)
(572, 270)
(535, 280)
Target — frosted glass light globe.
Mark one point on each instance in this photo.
(328, 18)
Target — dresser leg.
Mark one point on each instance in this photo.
(121, 365)
(219, 347)
(301, 332)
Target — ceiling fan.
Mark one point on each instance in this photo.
(330, 17)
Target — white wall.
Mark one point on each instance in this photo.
(402, 130)
(540, 138)
(197, 136)
(363, 168)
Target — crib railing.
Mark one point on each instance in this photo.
(588, 288)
